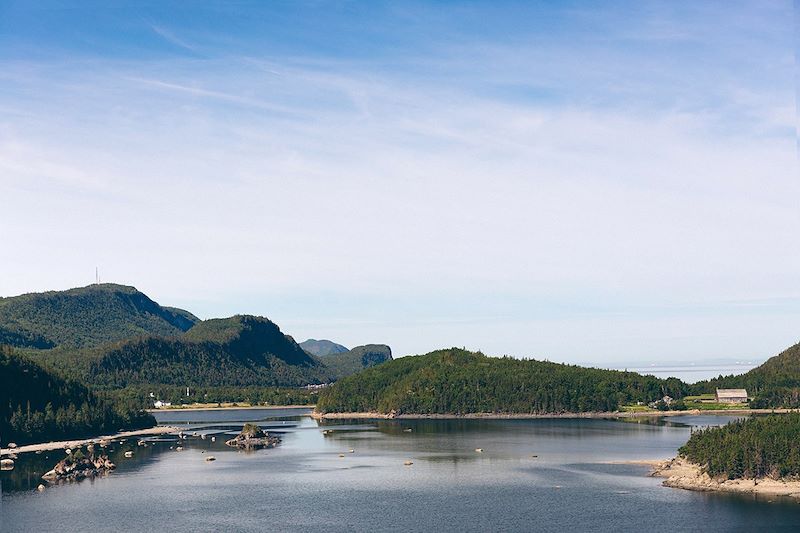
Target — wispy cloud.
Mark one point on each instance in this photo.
(171, 38)
(216, 95)
(555, 185)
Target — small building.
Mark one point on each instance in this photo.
(667, 400)
(731, 396)
(158, 404)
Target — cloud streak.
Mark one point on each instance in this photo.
(556, 190)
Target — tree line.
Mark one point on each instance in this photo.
(37, 406)
(457, 381)
(776, 383)
(757, 447)
(140, 395)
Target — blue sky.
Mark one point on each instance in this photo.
(608, 183)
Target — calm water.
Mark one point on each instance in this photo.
(693, 373)
(304, 484)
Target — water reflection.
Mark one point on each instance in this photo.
(531, 474)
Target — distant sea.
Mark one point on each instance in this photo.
(692, 373)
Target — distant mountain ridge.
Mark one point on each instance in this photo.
(113, 336)
(322, 347)
(86, 317)
(242, 350)
(346, 363)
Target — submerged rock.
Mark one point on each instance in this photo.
(76, 467)
(253, 437)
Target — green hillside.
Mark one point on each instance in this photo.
(321, 348)
(38, 406)
(86, 317)
(776, 383)
(456, 381)
(351, 361)
(237, 351)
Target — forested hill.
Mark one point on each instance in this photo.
(38, 406)
(86, 317)
(251, 337)
(753, 448)
(456, 381)
(238, 351)
(321, 348)
(351, 361)
(776, 383)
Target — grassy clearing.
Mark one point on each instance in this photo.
(705, 406)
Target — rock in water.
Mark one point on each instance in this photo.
(253, 437)
(76, 466)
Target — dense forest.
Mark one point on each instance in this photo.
(754, 448)
(457, 381)
(85, 317)
(37, 406)
(139, 395)
(238, 351)
(776, 383)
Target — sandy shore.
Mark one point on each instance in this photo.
(60, 445)
(528, 416)
(227, 408)
(685, 475)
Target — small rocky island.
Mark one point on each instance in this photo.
(754, 455)
(77, 466)
(253, 437)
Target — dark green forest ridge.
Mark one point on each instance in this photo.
(238, 351)
(457, 381)
(86, 317)
(113, 336)
(754, 448)
(39, 406)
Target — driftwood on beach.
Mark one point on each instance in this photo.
(253, 437)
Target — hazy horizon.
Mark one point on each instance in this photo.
(588, 185)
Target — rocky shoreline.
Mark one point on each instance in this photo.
(60, 445)
(530, 416)
(682, 474)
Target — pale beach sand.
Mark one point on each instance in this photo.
(60, 445)
(682, 474)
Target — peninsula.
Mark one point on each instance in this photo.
(759, 455)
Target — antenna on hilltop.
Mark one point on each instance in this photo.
(96, 276)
